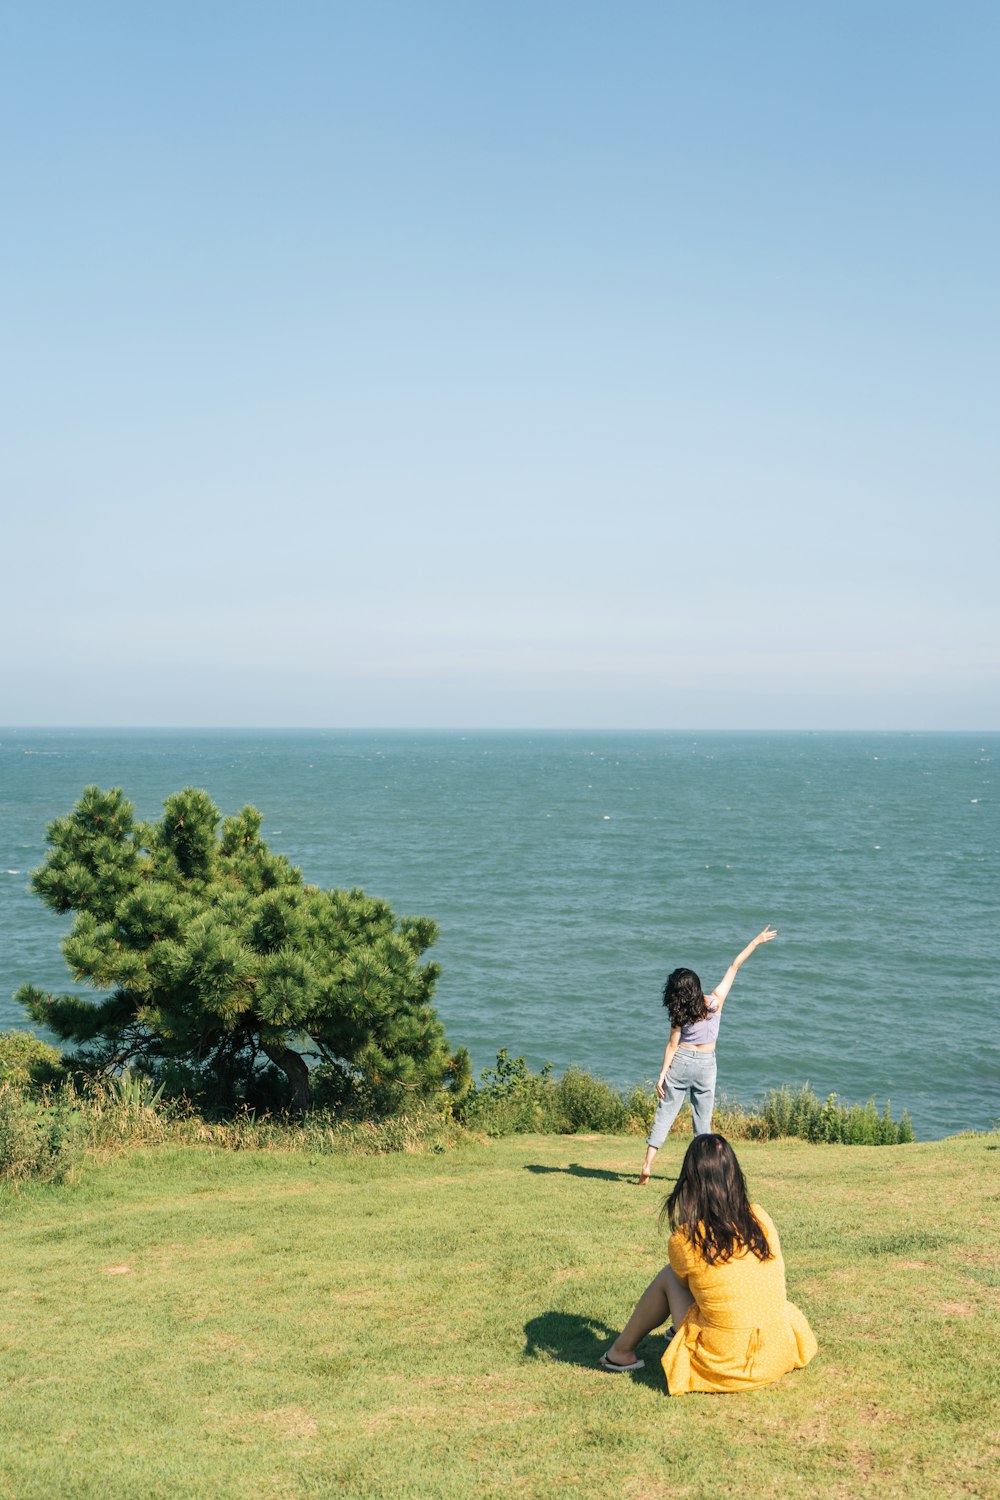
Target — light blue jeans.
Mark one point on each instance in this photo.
(691, 1075)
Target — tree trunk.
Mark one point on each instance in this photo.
(295, 1069)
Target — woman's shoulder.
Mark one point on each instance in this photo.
(765, 1221)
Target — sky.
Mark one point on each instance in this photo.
(500, 363)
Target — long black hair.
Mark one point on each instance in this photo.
(684, 998)
(710, 1204)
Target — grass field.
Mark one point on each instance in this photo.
(193, 1323)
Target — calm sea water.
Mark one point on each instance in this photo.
(570, 872)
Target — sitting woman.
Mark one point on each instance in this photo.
(724, 1286)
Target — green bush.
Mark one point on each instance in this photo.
(43, 1134)
(29, 1063)
(587, 1103)
(641, 1104)
(730, 1119)
(510, 1099)
(40, 1139)
(798, 1112)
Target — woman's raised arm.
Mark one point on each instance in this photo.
(722, 990)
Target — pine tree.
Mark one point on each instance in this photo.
(215, 956)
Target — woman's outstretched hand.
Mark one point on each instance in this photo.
(722, 990)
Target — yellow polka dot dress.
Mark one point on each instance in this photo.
(742, 1331)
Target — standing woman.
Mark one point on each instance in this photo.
(688, 1070)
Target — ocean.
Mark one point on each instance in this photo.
(569, 872)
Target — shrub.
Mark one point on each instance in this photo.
(587, 1103)
(797, 1112)
(730, 1119)
(129, 1109)
(43, 1136)
(641, 1103)
(40, 1138)
(510, 1100)
(28, 1062)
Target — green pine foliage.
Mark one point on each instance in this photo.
(221, 973)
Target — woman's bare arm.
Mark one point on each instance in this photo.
(668, 1057)
(722, 990)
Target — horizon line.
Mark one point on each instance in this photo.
(479, 729)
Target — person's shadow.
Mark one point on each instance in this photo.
(573, 1340)
(576, 1170)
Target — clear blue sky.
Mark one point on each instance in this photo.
(501, 362)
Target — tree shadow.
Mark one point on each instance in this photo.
(576, 1170)
(571, 1339)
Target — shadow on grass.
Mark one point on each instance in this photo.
(574, 1340)
(576, 1170)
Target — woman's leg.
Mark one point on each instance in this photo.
(666, 1113)
(703, 1095)
(666, 1296)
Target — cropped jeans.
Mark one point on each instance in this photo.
(691, 1075)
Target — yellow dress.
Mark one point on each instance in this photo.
(741, 1332)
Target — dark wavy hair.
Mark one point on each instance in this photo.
(710, 1204)
(684, 997)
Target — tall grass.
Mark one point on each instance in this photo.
(129, 1111)
(41, 1139)
(45, 1131)
(510, 1099)
(44, 1138)
(797, 1112)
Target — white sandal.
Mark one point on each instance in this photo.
(616, 1369)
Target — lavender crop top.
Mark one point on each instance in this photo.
(699, 1033)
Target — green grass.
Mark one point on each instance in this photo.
(188, 1322)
